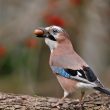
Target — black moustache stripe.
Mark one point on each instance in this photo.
(52, 38)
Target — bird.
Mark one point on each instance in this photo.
(70, 69)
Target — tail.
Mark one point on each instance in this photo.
(103, 90)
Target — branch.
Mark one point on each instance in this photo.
(95, 101)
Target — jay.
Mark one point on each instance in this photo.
(70, 69)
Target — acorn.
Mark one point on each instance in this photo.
(38, 32)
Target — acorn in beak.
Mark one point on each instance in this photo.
(40, 32)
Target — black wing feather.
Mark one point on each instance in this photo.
(90, 74)
(86, 73)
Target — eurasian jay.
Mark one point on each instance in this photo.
(70, 69)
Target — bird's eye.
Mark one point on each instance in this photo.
(55, 31)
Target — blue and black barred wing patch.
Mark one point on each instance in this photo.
(79, 75)
(61, 71)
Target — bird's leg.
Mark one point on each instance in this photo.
(81, 100)
(61, 100)
(82, 97)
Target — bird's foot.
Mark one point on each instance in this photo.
(80, 105)
(57, 105)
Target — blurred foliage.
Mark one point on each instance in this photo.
(24, 58)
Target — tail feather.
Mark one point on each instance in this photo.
(103, 90)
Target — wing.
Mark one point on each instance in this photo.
(85, 75)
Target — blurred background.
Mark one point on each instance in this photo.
(24, 67)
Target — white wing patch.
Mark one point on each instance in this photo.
(78, 73)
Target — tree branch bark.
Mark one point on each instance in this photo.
(94, 101)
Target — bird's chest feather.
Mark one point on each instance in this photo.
(67, 84)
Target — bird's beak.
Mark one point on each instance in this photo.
(41, 32)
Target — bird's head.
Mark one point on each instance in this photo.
(53, 35)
